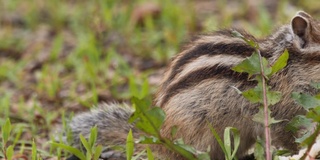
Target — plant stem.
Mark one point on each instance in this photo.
(265, 109)
(313, 141)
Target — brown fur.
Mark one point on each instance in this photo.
(205, 94)
(198, 87)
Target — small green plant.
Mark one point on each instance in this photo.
(138, 91)
(6, 149)
(310, 122)
(259, 68)
(150, 121)
(66, 137)
(5, 106)
(129, 145)
(92, 151)
(226, 146)
(34, 151)
(49, 82)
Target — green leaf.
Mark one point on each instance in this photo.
(253, 95)
(179, 142)
(306, 101)
(283, 153)
(250, 65)
(133, 87)
(314, 114)
(149, 140)
(227, 141)
(266, 68)
(9, 152)
(299, 122)
(93, 136)
(217, 137)
(97, 152)
(34, 151)
(309, 138)
(273, 97)
(252, 43)
(136, 90)
(260, 117)
(237, 34)
(188, 148)
(18, 135)
(145, 89)
(6, 129)
(72, 150)
(303, 138)
(274, 121)
(185, 150)
(174, 130)
(141, 107)
(149, 154)
(204, 156)
(129, 145)
(151, 121)
(280, 63)
(147, 120)
(248, 41)
(86, 144)
(259, 149)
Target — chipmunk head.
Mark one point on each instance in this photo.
(306, 30)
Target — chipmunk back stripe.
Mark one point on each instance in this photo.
(207, 61)
(197, 76)
(228, 32)
(209, 49)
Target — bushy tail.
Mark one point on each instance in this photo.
(111, 121)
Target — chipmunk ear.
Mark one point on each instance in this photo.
(300, 26)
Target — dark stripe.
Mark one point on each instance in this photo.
(228, 32)
(301, 58)
(268, 53)
(211, 50)
(214, 72)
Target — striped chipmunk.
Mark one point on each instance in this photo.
(198, 87)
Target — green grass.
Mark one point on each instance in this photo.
(59, 57)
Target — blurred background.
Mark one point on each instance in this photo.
(63, 56)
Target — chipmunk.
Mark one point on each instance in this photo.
(198, 88)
